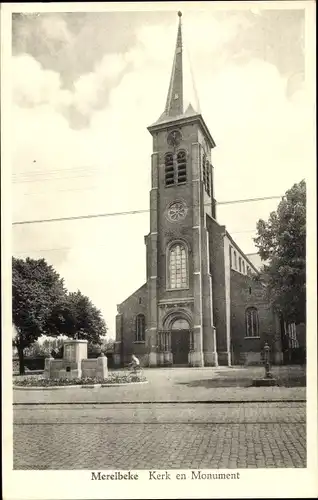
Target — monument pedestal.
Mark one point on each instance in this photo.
(264, 382)
(71, 364)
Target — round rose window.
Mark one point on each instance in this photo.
(177, 211)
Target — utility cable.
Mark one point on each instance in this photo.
(132, 212)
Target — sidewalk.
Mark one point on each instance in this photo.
(179, 385)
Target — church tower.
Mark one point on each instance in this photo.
(180, 327)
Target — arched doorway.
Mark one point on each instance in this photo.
(180, 341)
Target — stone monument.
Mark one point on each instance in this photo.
(75, 364)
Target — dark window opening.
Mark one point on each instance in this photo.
(68, 368)
(250, 290)
(207, 181)
(181, 167)
(235, 260)
(169, 170)
(252, 322)
(140, 328)
(206, 176)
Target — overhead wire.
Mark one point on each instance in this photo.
(131, 212)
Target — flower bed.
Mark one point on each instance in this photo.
(116, 378)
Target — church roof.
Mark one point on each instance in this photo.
(175, 103)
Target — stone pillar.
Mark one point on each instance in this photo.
(152, 267)
(160, 358)
(101, 371)
(209, 335)
(168, 358)
(47, 366)
(196, 357)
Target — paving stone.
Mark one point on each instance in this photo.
(249, 436)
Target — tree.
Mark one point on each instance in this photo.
(77, 317)
(45, 347)
(281, 242)
(36, 289)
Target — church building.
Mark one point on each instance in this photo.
(200, 304)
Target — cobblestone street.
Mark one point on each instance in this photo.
(160, 436)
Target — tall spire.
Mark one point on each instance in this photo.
(176, 100)
(174, 104)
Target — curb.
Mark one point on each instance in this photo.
(215, 402)
(78, 386)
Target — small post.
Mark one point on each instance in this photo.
(268, 379)
(267, 361)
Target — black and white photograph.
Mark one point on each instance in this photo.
(159, 182)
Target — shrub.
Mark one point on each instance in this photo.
(116, 378)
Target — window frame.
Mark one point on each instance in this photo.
(183, 244)
(140, 328)
(181, 166)
(178, 167)
(169, 165)
(252, 313)
(235, 259)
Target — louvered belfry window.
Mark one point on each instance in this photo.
(181, 167)
(175, 168)
(169, 169)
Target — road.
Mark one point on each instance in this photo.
(159, 436)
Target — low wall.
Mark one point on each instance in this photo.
(85, 368)
(94, 367)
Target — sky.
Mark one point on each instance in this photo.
(85, 88)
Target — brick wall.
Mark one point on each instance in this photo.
(136, 304)
(217, 264)
(245, 292)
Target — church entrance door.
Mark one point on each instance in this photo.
(180, 342)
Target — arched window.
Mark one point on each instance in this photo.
(180, 324)
(177, 266)
(169, 169)
(240, 264)
(252, 323)
(243, 266)
(140, 328)
(181, 167)
(235, 260)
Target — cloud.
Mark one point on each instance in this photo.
(54, 27)
(261, 134)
